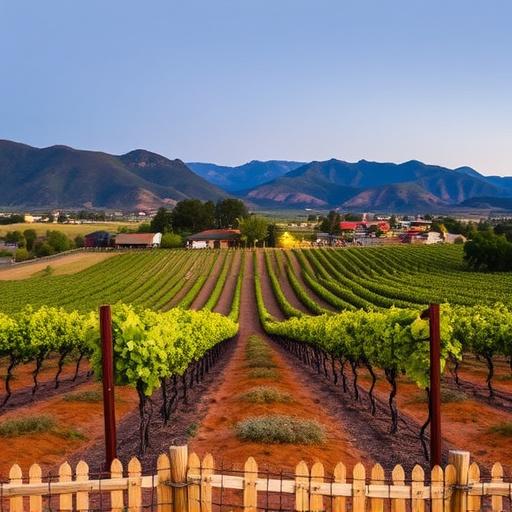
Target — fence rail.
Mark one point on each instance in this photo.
(184, 483)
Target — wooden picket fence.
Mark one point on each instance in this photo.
(183, 483)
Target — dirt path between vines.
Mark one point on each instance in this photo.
(217, 435)
(353, 434)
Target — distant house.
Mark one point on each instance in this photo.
(138, 240)
(214, 239)
(363, 225)
(98, 239)
(416, 225)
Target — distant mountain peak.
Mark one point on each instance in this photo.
(144, 158)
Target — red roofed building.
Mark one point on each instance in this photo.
(214, 239)
(138, 240)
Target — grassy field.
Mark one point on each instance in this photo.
(71, 230)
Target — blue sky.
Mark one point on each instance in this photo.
(230, 81)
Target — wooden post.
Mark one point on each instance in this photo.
(358, 488)
(434, 405)
(179, 461)
(16, 478)
(206, 483)
(435, 387)
(116, 497)
(301, 487)
(377, 478)
(316, 500)
(398, 478)
(497, 477)
(107, 366)
(437, 489)
(417, 488)
(250, 482)
(163, 491)
(82, 497)
(460, 461)
(65, 499)
(134, 485)
(339, 503)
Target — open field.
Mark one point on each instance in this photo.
(57, 265)
(71, 230)
(163, 279)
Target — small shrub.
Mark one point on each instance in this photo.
(452, 395)
(23, 426)
(261, 363)
(265, 395)
(191, 430)
(258, 353)
(504, 429)
(91, 396)
(447, 396)
(280, 429)
(503, 377)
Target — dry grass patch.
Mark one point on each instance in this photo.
(503, 429)
(30, 425)
(266, 395)
(264, 373)
(279, 429)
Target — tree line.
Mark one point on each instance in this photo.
(191, 216)
(30, 245)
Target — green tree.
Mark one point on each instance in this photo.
(352, 217)
(504, 228)
(375, 229)
(12, 219)
(58, 241)
(15, 237)
(171, 241)
(144, 227)
(487, 250)
(43, 249)
(228, 212)
(30, 237)
(254, 229)
(192, 216)
(438, 226)
(331, 223)
(79, 241)
(209, 214)
(162, 221)
(273, 234)
(21, 254)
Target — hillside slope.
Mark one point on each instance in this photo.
(63, 177)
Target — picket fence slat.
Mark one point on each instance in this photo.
(182, 483)
(35, 477)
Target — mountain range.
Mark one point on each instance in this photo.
(63, 177)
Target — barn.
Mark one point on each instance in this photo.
(98, 239)
(214, 239)
(138, 240)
